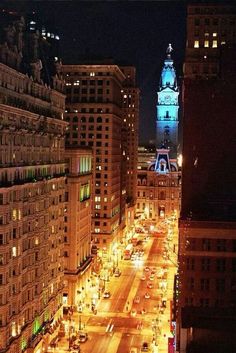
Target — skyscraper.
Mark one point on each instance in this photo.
(99, 118)
(32, 188)
(207, 228)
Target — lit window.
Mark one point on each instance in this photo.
(53, 187)
(214, 44)
(214, 34)
(223, 42)
(206, 34)
(125, 95)
(53, 229)
(206, 43)
(13, 329)
(196, 44)
(14, 214)
(97, 207)
(97, 230)
(97, 198)
(13, 251)
(92, 74)
(36, 241)
(105, 199)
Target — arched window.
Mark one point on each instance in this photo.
(99, 119)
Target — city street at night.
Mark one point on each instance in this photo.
(135, 311)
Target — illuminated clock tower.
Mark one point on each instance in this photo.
(167, 108)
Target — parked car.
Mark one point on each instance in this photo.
(137, 299)
(147, 296)
(106, 294)
(76, 345)
(145, 347)
(82, 337)
(117, 272)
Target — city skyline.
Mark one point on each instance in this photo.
(132, 33)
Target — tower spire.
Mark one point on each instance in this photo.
(167, 107)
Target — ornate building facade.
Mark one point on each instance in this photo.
(32, 188)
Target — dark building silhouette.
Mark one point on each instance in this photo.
(206, 284)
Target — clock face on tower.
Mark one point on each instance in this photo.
(167, 99)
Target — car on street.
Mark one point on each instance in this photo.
(107, 294)
(117, 272)
(149, 285)
(151, 278)
(76, 345)
(133, 312)
(143, 278)
(147, 269)
(82, 337)
(145, 347)
(133, 350)
(147, 296)
(137, 299)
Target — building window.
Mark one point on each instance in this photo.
(214, 44)
(206, 43)
(190, 283)
(205, 264)
(221, 245)
(204, 284)
(196, 44)
(220, 265)
(220, 285)
(206, 245)
(190, 263)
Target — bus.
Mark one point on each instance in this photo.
(128, 251)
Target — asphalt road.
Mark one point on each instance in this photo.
(121, 323)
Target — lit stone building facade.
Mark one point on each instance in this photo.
(32, 188)
(77, 250)
(101, 119)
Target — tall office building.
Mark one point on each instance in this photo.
(32, 187)
(205, 289)
(130, 131)
(95, 111)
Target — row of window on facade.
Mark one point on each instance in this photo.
(86, 91)
(206, 44)
(210, 264)
(88, 73)
(214, 21)
(206, 302)
(196, 244)
(206, 284)
(143, 181)
(161, 196)
(87, 110)
(90, 119)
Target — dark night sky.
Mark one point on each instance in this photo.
(134, 32)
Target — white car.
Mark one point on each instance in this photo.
(147, 296)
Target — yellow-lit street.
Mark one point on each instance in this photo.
(133, 312)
